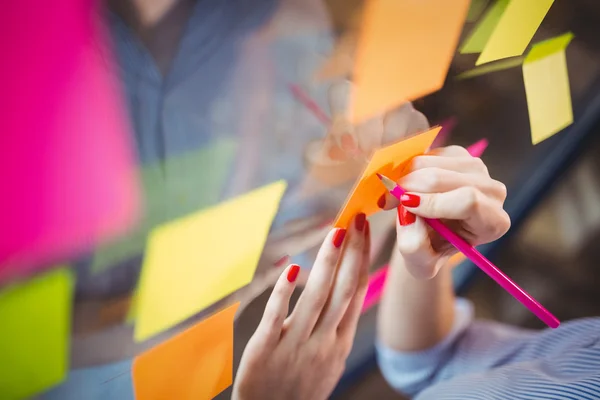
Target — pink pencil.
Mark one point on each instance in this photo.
(309, 103)
(479, 259)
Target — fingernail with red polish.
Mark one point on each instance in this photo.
(338, 237)
(368, 228)
(405, 217)
(293, 273)
(347, 142)
(381, 201)
(359, 221)
(281, 261)
(410, 200)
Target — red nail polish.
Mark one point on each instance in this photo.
(368, 229)
(281, 261)
(359, 221)
(347, 142)
(338, 237)
(293, 273)
(410, 200)
(405, 217)
(381, 201)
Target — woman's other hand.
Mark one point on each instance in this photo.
(302, 356)
(451, 185)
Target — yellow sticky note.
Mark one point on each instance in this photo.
(389, 161)
(403, 52)
(35, 326)
(197, 364)
(492, 67)
(547, 87)
(192, 262)
(478, 37)
(514, 31)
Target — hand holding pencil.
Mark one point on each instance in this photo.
(460, 206)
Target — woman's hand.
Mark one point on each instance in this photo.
(302, 356)
(451, 185)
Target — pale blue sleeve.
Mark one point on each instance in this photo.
(470, 346)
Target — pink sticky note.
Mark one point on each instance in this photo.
(375, 288)
(67, 166)
(447, 128)
(477, 148)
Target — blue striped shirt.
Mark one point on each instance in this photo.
(486, 360)
(200, 108)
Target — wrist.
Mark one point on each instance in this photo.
(415, 314)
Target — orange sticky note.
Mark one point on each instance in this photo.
(404, 51)
(389, 161)
(197, 364)
(455, 260)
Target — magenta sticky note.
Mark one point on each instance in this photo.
(375, 288)
(447, 127)
(67, 165)
(478, 148)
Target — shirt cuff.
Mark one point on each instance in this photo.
(412, 371)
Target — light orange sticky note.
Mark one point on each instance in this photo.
(547, 87)
(194, 261)
(455, 260)
(514, 30)
(404, 51)
(389, 161)
(197, 364)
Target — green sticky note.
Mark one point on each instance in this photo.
(35, 318)
(492, 67)
(132, 312)
(172, 189)
(476, 8)
(547, 88)
(548, 47)
(479, 36)
(514, 31)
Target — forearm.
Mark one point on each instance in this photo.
(415, 314)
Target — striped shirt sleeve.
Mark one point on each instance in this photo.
(470, 346)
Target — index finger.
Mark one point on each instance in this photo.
(312, 300)
(348, 276)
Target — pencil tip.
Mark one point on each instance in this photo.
(387, 182)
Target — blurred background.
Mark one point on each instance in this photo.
(225, 96)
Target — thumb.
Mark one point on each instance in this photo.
(414, 245)
(370, 134)
(338, 96)
(341, 130)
